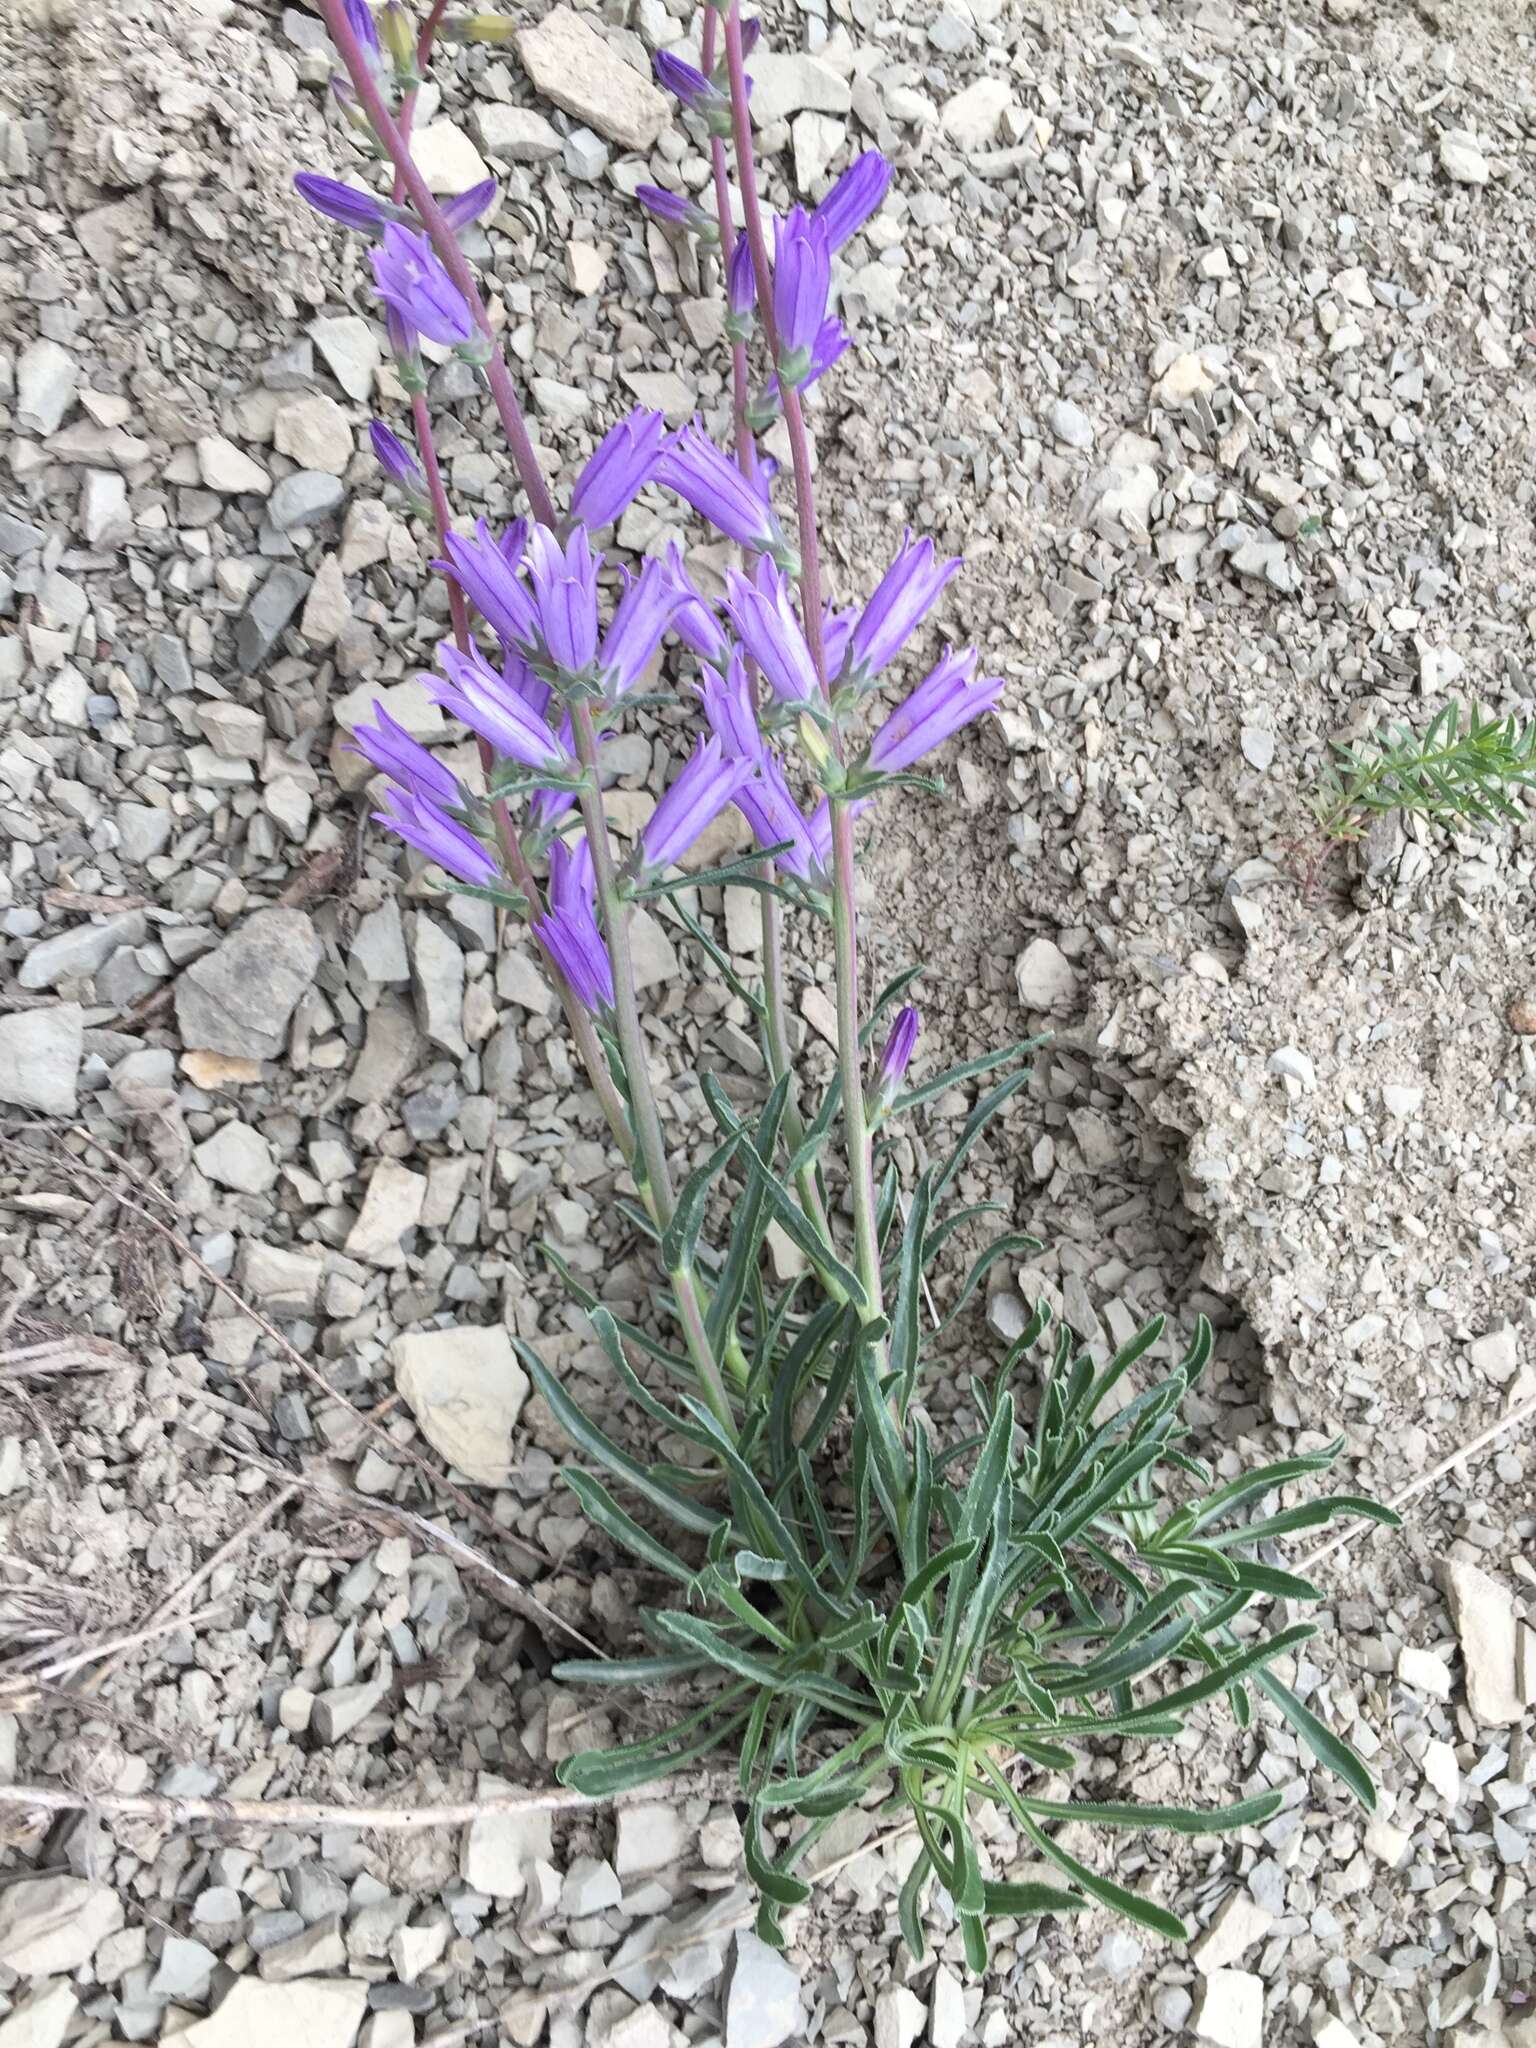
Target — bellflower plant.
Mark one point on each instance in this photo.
(854, 1605)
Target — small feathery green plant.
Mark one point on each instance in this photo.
(1454, 772)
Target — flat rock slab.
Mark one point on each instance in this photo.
(1485, 1618)
(51, 1925)
(40, 1055)
(466, 1390)
(239, 999)
(317, 2012)
(570, 64)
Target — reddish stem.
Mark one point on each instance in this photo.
(424, 44)
(450, 255)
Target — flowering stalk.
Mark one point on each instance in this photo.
(497, 376)
(861, 1162)
(774, 978)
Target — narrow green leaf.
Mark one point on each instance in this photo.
(599, 1506)
(909, 1907)
(1178, 1820)
(1029, 1901)
(680, 1239)
(1145, 1912)
(966, 1070)
(1331, 1751)
(907, 1314)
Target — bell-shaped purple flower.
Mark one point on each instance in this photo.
(565, 587)
(475, 693)
(521, 680)
(907, 592)
(768, 807)
(945, 700)
(490, 581)
(678, 212)
(852, 200)
(344, 203)
(699, 94)
(396, 460)
(410, 279)
(802, 277)
(569, 932)
(836, 629)
(763, 612)
(390, 748)
(704, 786)
(360, 19)
(644, 613)
(418, 821)
(895, 1059)
(712, 484)
(622, 463)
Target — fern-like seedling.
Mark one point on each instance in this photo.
(1453, 772)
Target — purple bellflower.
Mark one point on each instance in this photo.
(396, 460)
(944, 701)
(360, 19)
(802, 277)
(418, 821)
(394, 753)
(344, 203)
(895, 1059)
(565, 587)
(412, 281)
(741, 280)
(764, 800)
(619, 467)
(763, 612)
(522, 682)
(711, 483)
(644, 613)
(490, 581)
(907, 592)
(852, 200)
(475, 693)
(705, 785)
(678, 212)
(726, 696)
(570, 931)
(832, 342)
(836, 627)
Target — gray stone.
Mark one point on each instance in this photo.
(786, 82)
(303, 499)
(269, 610)
(572, 65)
(46, 379)
(40, 1054)
(391, 1049)
(184, 1971)
(229, 470)
(51, 1925)
(349, 348)
(1485, 1617)
(237, 1157)
(899, 2016)
(762, 1999)
(437, 980)
(319, 2012)
(378, 945)
(1045, 977)
(590, 1886)
(1069, 423)
(516, 134)
(42, 2020)
(337, 1712)
(499, 1847)
(1462, 159)
(649, 1837)
(76, 954)
(239, 999)
(586, 158)
(971, 118)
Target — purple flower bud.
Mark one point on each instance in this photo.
(391, 749)
(684, 81)
(896, 1058)
(677, 211)
(344, 203)
(396, 460)
(942, 703)
(572, 886)
(644, 613)
(751, 34)
(475, 693)
(712, 484)
(741, 280)
(855, 196)
(492, 585)
(565, 586)
(576, 946)
(417, 821)
(802, 277)
(464, 211)
(705, 785)
(693, 622)
(619, 467)
(763, 613)
(730, 712)
(836, 626)
(412, 280)
(907, 592)
(360, 15)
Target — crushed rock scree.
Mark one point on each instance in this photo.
(1193, 408)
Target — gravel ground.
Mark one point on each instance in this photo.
(1207, 336)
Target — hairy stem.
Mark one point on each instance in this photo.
(450, 255)
(850, 1055)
